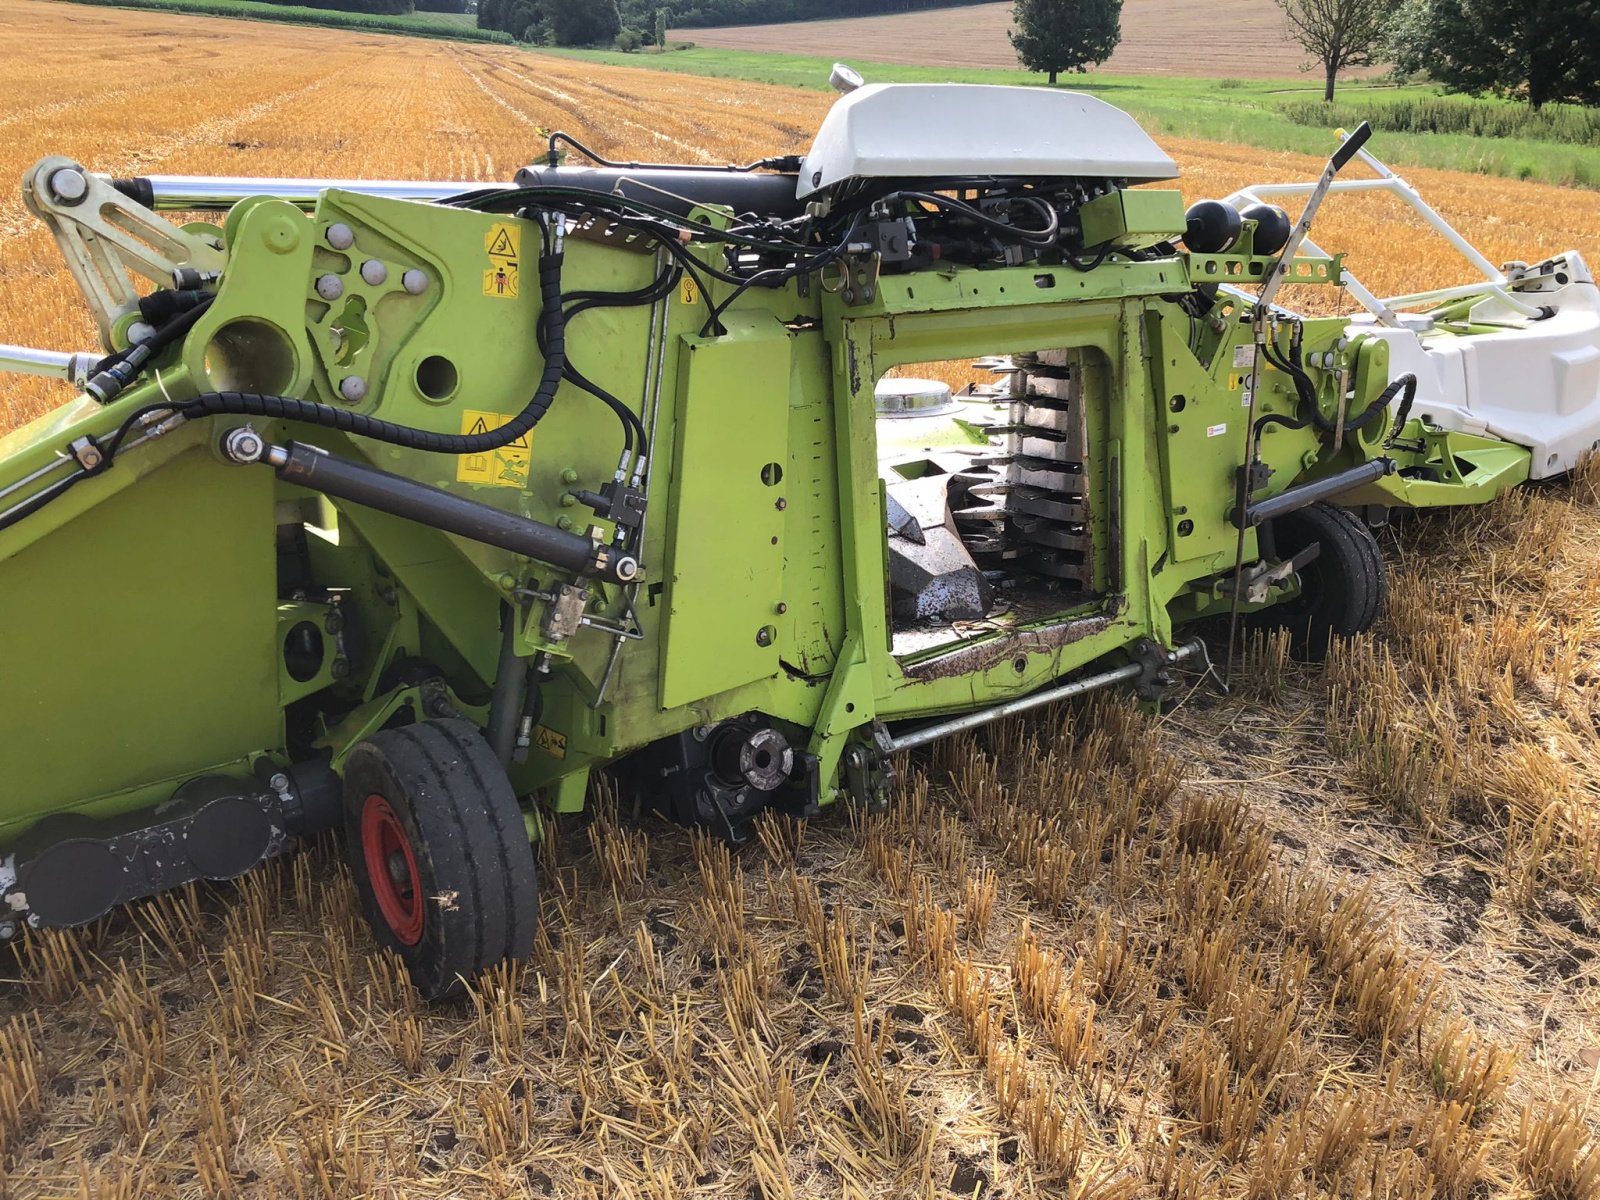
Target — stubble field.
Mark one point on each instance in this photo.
(1333, 935)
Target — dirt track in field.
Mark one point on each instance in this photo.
(1285, 943)
(1220, 39)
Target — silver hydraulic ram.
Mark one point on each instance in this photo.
(50, 364)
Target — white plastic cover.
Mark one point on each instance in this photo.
(901, 130)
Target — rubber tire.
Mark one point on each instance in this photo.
(469, 841)
(1341, 590)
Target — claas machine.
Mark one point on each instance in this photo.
(406, 507)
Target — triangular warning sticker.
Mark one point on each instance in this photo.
(479, 426)
(500, 245)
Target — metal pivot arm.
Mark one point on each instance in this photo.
(1261, 327)
(343, 479)
(103, 235)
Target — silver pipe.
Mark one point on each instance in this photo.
(218, 193)
(52, 364)
(1079, 687)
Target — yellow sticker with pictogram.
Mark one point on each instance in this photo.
(504, 466)
(503, 246)
(552, 743)
(688, 293)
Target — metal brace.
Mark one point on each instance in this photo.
(1255, 583)
(869, 774)
(103, 235)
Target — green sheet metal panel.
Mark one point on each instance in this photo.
(141, 639)
(724, 576)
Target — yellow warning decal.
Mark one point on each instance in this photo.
(688, 292)
(503, 246)
(552, 743)
(506, 466)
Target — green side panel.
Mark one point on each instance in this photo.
(1204, 440)
(142, 639)
(724, 577)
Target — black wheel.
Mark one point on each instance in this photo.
(439, 852)
(1341, 590)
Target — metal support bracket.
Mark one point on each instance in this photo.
(103, 236)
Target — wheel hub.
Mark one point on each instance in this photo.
(392, 869)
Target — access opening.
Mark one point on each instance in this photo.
(990, 494)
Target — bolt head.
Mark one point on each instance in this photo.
(374, 272)
(353, 388)
(68, 185)
(330, 287)
(139, 333)
(341, 236)
(414, 281)
(8, 930)
(627, 568)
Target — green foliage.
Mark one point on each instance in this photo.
(442, 6)
(629, 40)
(1065, 35)
(661, 28)
(583, 22)
(381, 7)
(525, 20)
(435, 25)
(1542, 52)
(1569, 124)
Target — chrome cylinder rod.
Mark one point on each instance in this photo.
(1065, 691)
(52, 364)
(218, 193)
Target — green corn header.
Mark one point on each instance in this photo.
(405, 507)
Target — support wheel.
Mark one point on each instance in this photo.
(439, 852)
(1341, 590)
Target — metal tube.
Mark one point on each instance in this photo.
(52, 364)
(218, 193)
(1320, 489)
(1066, 691)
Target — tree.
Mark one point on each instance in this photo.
(1065, 35)
(1546, 52)
(661, 28)
(584, 22)
(1338, 33)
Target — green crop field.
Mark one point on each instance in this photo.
(1479, 136)
(455, 26)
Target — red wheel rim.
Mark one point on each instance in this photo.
(392, 870)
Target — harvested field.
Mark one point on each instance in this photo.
(1334, 935)
(1238, 39)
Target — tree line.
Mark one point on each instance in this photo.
(383, 7)
(1530, 50)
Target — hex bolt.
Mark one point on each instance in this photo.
(68, 185)
(374, 272)
(330, 287)
(8, 930)
(352, 388)
(569, 475)
(414, 281)
(340, 668)
(782, 608)
(781, 505)
(341, 236)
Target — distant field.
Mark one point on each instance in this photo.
(1415, 126)
(453, 26)
(1241, 39)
